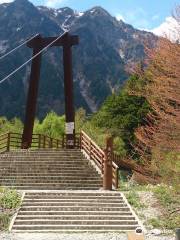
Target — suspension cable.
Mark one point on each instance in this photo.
(24, 64)
(16, 48)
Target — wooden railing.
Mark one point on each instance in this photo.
(43, 141)
(10, 141)
(76, 142)
(95, 153)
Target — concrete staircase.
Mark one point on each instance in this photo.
(61, 190)
(74, 211)
(48, 170)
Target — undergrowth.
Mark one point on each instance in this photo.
(9, 202)
(167, 197)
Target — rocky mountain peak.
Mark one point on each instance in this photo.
(107, 47)
(98, 11)
(23, 3)
(18, 6)
(66, 10)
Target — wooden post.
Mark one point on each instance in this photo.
(32, 95)
(80, 144)
(8, 141)
(51, 141)
(68, 92)
(44, 141)
(63, 141)
(39, 139)
(107, 178)
(116, 179)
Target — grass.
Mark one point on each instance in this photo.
(9, 201)
(4, 220)
(168, 199)
(134, 199)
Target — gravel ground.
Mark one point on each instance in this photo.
(75, 236)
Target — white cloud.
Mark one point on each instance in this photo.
(170, 29)
(53, 3)
(6, 1)
(120, 17)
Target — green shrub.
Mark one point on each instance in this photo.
(9, 198)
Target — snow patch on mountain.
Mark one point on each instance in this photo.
(3, 46)
(169, 29)
(65, 26)
(79, 14)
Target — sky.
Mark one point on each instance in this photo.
(142, 14)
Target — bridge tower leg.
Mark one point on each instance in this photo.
(32, 95)
(68, 93)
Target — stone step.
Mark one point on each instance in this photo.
(46, 184)
(42, 158)
(81, 165)
(76, 154)
(50, 171)
(76, 204)
(87, 194)
(37, 181)
(56, 228)
(82, 175)
(30, 167)
(70, 194)
(45, 161)
(96, 222)
(53, 178)
(73, 200)
(78, 213)
(46, 150)
(74, 217)
(54, 187)
(74, 208)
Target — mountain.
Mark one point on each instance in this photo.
(107, 49)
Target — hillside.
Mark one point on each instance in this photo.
(108, 48)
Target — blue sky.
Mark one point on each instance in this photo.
(143, 14)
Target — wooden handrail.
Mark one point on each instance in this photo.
(9, 141)
(97, 147)
(98, 155)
